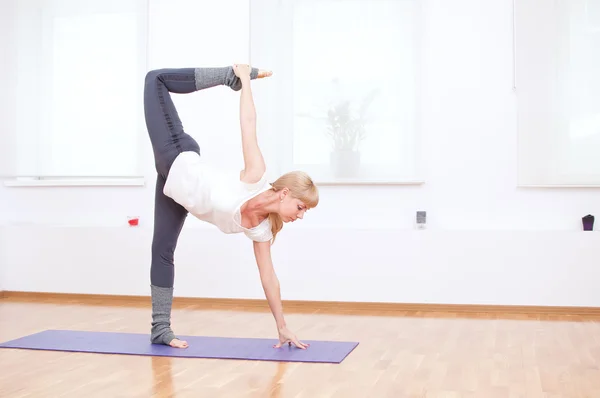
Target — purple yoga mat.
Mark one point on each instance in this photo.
(199, 346)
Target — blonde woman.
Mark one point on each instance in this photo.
(235, 203)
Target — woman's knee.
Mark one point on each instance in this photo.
(163, 253)
(153, 75)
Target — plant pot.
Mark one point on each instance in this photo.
(345, 163)
(588, 222)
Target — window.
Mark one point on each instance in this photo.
(558, 91)
(345, 104)
(80, 70)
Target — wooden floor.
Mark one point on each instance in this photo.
(400, 355)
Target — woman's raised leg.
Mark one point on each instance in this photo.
(164, 126)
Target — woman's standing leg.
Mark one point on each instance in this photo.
(169, 218)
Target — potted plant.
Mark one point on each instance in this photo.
(346, 129)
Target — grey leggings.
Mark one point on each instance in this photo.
(169, 140)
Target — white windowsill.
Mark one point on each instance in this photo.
(76, 182)
(368, 182)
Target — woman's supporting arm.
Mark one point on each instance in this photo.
(270, 284)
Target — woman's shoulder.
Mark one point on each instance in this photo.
(262, 232)
(254, 184)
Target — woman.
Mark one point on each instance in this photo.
(234, 203)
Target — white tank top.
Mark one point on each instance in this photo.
(215, 196)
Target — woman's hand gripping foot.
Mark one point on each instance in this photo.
(245, 70)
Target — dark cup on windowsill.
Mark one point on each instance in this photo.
(588, 222)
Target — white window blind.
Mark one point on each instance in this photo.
(557, 60)
(80, 67)
(345, 102)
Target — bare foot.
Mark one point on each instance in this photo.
(264, 73)
(178, 343)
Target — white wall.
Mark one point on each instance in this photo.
(7, 125)
(487, 241)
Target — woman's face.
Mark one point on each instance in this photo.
(290, 208)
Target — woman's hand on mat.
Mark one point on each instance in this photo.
(285, 336)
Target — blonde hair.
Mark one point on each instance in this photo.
(301, 187)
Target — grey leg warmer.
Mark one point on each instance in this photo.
(162, 300)
(211, 77)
